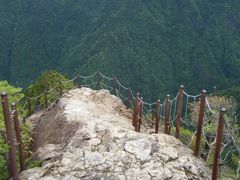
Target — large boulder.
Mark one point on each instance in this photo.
(88, 134)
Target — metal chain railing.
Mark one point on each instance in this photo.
(172, 114)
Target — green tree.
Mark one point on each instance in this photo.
(50, 82)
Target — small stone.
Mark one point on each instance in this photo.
(141, 148)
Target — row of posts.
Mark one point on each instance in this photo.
(9, 116)
(12, 115)
(138, 113)
(137, 121)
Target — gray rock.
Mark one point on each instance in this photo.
(101, 144)
(141, 148)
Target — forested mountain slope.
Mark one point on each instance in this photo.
(154, 46)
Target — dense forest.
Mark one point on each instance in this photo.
(151, 46)
(154, 46)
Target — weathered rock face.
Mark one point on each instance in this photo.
(88, 135)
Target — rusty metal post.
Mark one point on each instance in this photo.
(29, 106)
(179, 110)
(10, 138)
(45, 99)
(200, 123)
(136, 111)
(218, 143)
(152, 118)
(129, 98)
(169, 128)
(78, 80)
(140, 114)
(166, 115)
(18, 137)
(98, 80)
(114, 86)
(157, 116)
(37, 104)
(214, 91)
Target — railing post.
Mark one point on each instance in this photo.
(200, 123)
(18, 137)
(152, 118)
(129, 98)
(157, 116)
(29, 106)
(10, 138)
(214, 91)
(98, 80)
(60, 88)
(218, 143)
(38, 104)
(166, 115)
(179, 110)
(45, 99)
(136, 111)
(114, 86)
(78, 79)
(140, 114)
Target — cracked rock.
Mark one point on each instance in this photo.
(82, 138)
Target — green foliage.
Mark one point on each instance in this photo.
(47, 81)
(229, 155)
(193, 142)
(188, 137)
(3, 164)
(153, 46)
(50, 80)
(234, 161)
(26, 137)
(211, 153)
(33, 163)
(14, 95)
(185, 136)
(235, 93)
(210, 128)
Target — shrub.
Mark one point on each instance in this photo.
(50, 80)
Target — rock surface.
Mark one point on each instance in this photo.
(88, 134)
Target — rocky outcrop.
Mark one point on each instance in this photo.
(88, 135)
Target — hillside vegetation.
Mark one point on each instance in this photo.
(52, 83)
(153, 45)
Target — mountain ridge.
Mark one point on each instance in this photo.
(88, 134)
